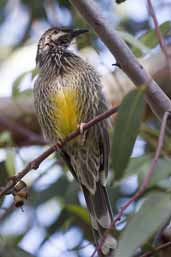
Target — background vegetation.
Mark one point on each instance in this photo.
(54, 221)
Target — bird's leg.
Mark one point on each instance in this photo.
(59, 144)
(81, 127)
(82, 132)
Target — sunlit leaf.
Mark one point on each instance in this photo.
(16, 85)
(150, 39)
(10, 161)
(80, 212)
(126, 130)
(3, 176)
(5, 138)
(137, 45)
(3, 173)
(153, 213)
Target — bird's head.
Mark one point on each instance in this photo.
(54, 42)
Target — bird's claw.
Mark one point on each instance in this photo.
(81, 127)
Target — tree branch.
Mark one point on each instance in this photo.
(155, 97)
(37, 161)
(157, 249)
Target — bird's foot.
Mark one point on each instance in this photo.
(81, 127)
(82, 133)
(58, 145)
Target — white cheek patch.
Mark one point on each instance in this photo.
(46, 47)
(55, 37)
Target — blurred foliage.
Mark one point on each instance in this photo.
(7, 250)
(154, 212)
(60, 195)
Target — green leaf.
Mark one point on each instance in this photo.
(137, 46)
(5, 138)
(162, 171)
(120, 1)
(7, 250)
(3, 173)
(152, 214)
(79, 212)
(126, 130)
(3, 177)
(10, 162)
(150, 39)
(16, 85)
(138, 165)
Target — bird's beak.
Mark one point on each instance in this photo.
(77, 32)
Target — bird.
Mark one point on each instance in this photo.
(67, 94)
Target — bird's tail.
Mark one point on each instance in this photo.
(101, 218)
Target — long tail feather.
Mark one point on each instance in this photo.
(101, 218)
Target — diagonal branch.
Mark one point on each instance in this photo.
(155, 97)
(157, 249)
(37, 161)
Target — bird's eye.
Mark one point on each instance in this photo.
(63, 40)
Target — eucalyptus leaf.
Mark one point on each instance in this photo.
(16, 84)
(138, 165)
(80, 212)
(3, 173)
(10, 161)
(152, 214)
(138, 47)
(5, 137)
(162, 171)
(7, 250)
(3, 177)
(150, 39)
(126, 130)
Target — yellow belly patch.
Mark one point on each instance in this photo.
(65, 111)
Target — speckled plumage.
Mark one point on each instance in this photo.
(68, 92)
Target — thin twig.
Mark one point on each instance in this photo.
(144, 183)
(159, 35)
(37, 161)
(157, 249)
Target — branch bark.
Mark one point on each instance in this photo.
(155, 97)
